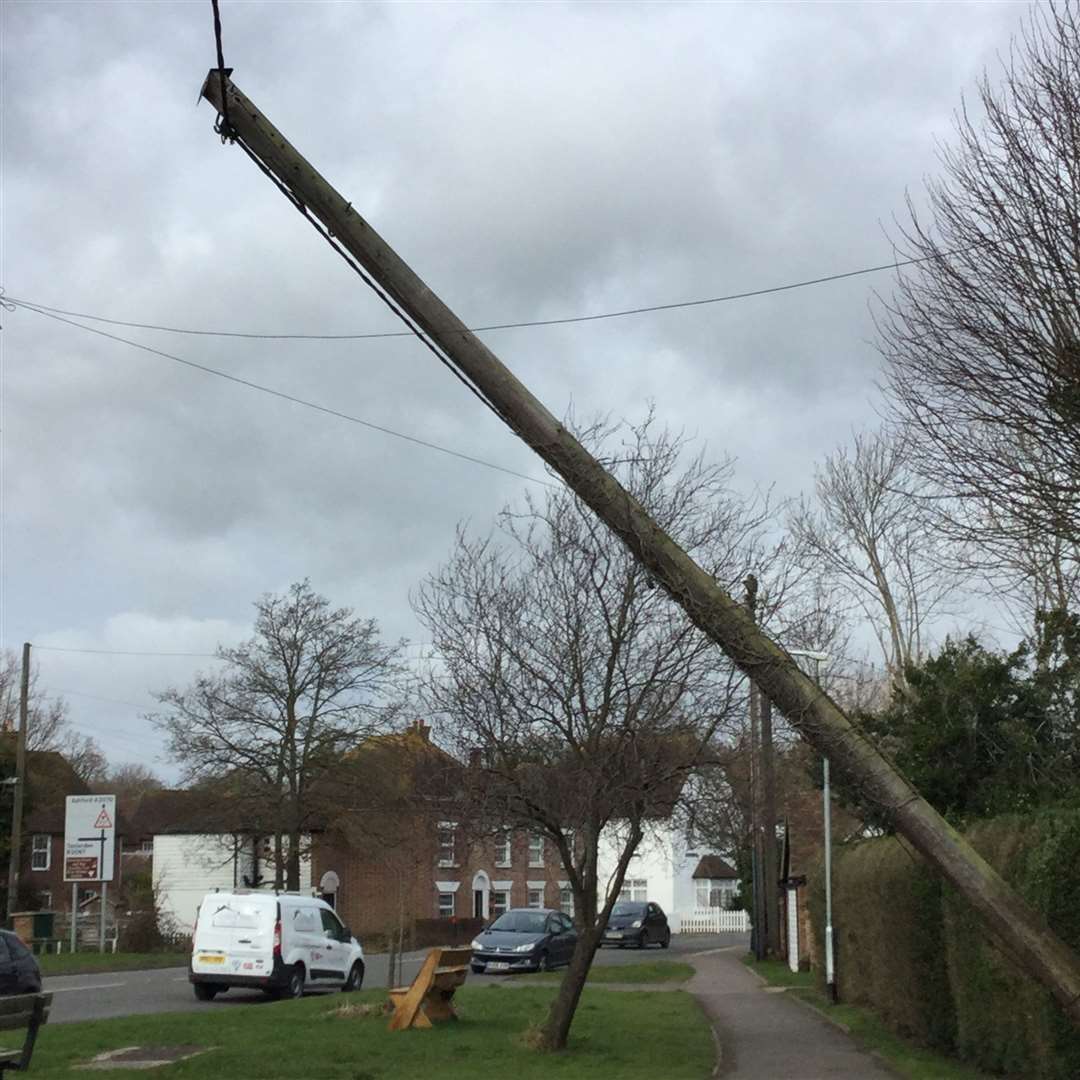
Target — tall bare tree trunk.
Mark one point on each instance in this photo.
(292, 862)
(561, 1013)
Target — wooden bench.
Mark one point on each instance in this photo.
(28, 1011)
(430, 997)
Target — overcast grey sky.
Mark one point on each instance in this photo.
(530, 161)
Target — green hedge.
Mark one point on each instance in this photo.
(912, 949)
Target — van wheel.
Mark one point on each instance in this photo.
(355, 979)
(204, 992)
(295, 987)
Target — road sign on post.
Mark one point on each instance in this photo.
(89, 837)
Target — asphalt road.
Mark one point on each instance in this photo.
(124, 993)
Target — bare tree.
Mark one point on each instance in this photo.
(312, 682)
(128, 782)
(870, 537)
(48, 724)
(982, 341)
(581, 693)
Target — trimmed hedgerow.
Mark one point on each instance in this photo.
(912, 949)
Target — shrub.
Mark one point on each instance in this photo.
(909, 946)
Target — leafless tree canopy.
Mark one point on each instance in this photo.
(311, 682)
(582, 692)
(869, 535)
(982, 341)
(48, 725)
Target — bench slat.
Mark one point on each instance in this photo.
(21, 1002)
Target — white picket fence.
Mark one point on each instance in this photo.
(710, 921)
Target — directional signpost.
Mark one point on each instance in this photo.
(89, 844)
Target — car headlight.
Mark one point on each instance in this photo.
(476, 944)
(528, 947)
(635, 924)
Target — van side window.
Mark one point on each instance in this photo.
(331, 925)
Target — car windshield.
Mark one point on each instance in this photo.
(521, 922)
(628, 907)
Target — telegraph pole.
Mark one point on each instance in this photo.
(1015, 924)
(20, 784)
(763, 809)
(769, 863)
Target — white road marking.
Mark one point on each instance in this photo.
(92, 986)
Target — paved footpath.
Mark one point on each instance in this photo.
(765, 1036)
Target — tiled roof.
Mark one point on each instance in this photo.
(713, 868)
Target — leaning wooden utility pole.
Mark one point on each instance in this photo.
(1021, 932)
(15, 855)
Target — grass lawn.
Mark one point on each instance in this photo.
(656, 971)
(88, 963)
(907, 1058)
(616, 1036)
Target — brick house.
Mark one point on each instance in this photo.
(405, 858)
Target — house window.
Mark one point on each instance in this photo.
(40, 850)
(502, 849)
(535, 898)
(146, 847)
(446, 905)
(536, 850)
(635, 889)
(447, 837)
(499, 903)
(45, 899)
(566, 900)
(703, 889)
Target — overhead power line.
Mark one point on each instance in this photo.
(562, 321)
(124, 652)
(206, 369)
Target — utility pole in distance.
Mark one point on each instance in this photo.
(1021, 932)
(20, 784)
(763, 809)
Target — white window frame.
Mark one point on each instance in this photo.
(36, 850)
(495, 907)
(443, 913)
(702, 893)
(146, 847)
(536, 849)
(447, 851)
(635, 890)
(566, 899)
(504, 849)
(45, 899)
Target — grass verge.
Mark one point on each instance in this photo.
(656, 971)
(909, 1059)
(89, 963)
(632, 1036)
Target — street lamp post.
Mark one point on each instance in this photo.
(830, 966)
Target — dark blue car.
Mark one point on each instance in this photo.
(525, 939)
(637, 923)
(19, 972)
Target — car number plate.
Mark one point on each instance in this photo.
(614, 933)
(211, 959)
(498, 965)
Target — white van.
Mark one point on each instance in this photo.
(282, 943)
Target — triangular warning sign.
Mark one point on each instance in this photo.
(103, 820)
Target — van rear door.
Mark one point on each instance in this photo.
(240, 930)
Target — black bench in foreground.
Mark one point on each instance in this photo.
(28, 1011)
